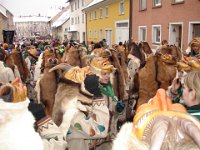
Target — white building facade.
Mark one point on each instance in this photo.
(77, 20)
(31, 26)
(60, 26)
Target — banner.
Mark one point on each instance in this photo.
(8, 36)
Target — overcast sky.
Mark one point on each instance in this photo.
(30, 7)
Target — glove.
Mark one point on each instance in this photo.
(120, 106)
(37, 110)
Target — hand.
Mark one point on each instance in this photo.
(37, 110)
(120, 106)
(175, 85)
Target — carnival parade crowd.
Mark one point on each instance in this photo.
(59, 95)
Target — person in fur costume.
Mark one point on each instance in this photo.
(87, 123)
(159, 125)
(17, 122)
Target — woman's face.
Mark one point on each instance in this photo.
(188, 96)
(105, 77)
(90, 47)
(196, 49)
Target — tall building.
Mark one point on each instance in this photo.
(60, 26)
(107, 19)
(77, 20)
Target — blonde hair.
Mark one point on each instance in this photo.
(192, 81)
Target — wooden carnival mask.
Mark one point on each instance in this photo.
(164, 125)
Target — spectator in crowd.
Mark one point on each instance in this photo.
(6, 73)
(105, 45)
(120, 47)
(189, 92)
(193, 48)
(90, 49)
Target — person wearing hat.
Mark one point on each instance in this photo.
(91, 121)
(195, 47)
(99, 83)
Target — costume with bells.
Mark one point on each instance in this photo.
(17, 122)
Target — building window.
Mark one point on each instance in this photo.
(156, 34)
(75, 5)
(78, 20)
(75, 20)
(100, 13)
(90, 16)
(72, 8)
(122, 24)
(72, 21)
(90, 34)
(83, 3)
(78, 4)
(142, 33)
(83, 17)
(121, 7)
(156, 3)
(100, 34)
(177, 1)
(95, 34)
(196, 30)
(95, 15)
(143, 4)
(106, 11)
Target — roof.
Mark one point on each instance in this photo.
(94, 2)
(31, 19)
(3, 10)
(53, 11)
(64, 17)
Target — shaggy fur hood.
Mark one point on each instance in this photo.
(16, 127)
(125, 140)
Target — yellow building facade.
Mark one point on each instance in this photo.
(108, 20)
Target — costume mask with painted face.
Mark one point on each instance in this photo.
(13, 92)
(99, 64)
(163, 125)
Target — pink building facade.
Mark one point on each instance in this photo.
(177, 21)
